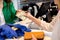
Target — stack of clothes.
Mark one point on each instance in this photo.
(6, 31)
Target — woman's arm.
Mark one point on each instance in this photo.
(37, 21)
(43, 24)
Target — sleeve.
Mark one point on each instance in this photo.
(56, 32)
(50, 26)
(2, 20)
(57, 18)
(46, 26)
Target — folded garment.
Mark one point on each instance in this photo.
(1, 38)
(21, 29)
(20, 32)
(7, 32)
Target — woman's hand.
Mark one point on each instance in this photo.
(27, 14)
(18, 11)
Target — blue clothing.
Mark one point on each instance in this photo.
(21, 29)
(7, 32)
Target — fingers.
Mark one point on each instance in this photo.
(33, 37)
(19, 10)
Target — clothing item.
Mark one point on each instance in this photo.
(21, 29)
(9, 12)
(50, 26)
(56, 30)
(6, 32)
(2, 20)
(33, 8)
(54, 27)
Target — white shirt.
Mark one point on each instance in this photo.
(2, 21)
(51, 26)
(54, 26)
(56, 29)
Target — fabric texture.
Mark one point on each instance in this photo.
(56, 31)
(50, 26)
(2, 20)
(21, 29)
(54, 27)
(6, 32)
(9, 12)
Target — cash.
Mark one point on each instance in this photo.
(21, 15)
